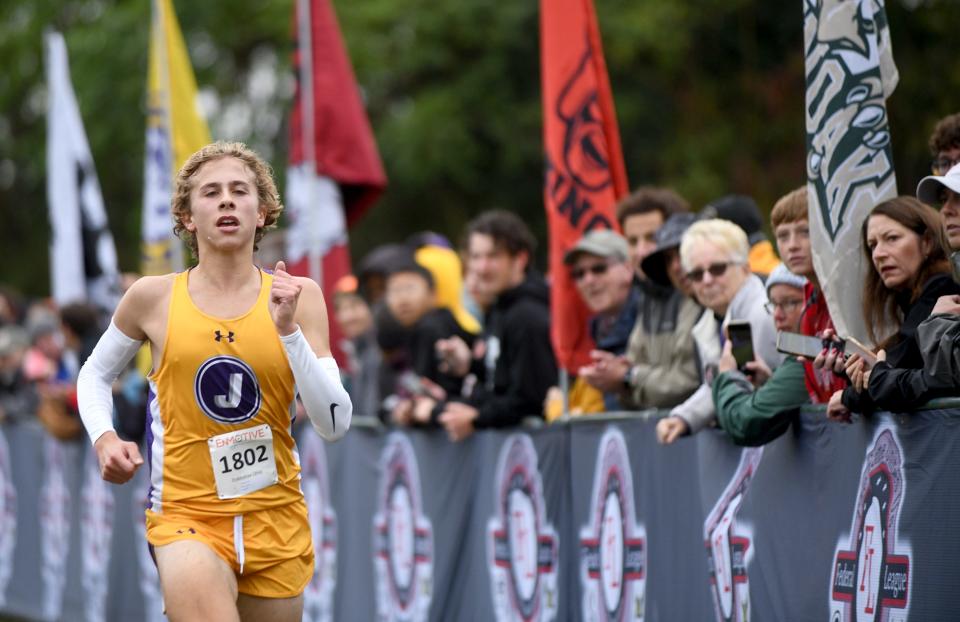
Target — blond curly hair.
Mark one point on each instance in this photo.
(266, 188)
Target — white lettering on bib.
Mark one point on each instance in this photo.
(243, 461)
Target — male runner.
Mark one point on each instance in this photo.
(231, 346)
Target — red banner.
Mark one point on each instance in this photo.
(585, 174)
(335, 173)
(344, 146)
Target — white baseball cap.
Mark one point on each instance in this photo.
(928, 190)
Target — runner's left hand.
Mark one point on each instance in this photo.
(284, 294)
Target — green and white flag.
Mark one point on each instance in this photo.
(850, 74)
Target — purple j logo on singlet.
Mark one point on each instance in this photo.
(227, 390)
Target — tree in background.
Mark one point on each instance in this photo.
(709, 97)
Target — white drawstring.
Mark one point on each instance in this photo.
(238, 539)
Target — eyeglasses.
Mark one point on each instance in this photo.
(941, 165)
(716, 270)
(596, 270)
(787, 305)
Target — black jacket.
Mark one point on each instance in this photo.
(899, 383)
(435, 325)
(519, 365)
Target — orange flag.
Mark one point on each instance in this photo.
(585, 175)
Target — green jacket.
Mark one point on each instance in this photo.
(756, 417)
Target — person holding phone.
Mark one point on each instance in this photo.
(905, 244)
(714, 255)
(754, 409)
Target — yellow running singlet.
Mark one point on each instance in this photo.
(220, 413)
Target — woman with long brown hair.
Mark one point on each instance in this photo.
(904, 242)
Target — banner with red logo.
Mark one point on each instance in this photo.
(335, 174)
(585, 520)
(585, 174)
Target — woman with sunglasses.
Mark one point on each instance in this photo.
(904, 242)
(714, 255)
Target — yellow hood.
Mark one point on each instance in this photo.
(444, 265)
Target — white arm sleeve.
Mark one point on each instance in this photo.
(94, 393)
(318, 382)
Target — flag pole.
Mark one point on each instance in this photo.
(305, 38)
(565, 390)
(176, 247)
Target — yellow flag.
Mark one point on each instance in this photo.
(175, 129)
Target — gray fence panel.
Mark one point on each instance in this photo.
(582, 521)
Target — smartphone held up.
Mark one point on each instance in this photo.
(741, 343)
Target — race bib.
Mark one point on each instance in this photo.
(243, 461)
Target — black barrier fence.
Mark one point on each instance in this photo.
(585, 520)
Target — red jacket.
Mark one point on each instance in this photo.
(821, 384)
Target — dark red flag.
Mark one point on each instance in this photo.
(334, 173)
(585, 175)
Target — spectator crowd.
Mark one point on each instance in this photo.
(41, 350)
(460, 338)
(685, 309)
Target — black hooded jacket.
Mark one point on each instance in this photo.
(899, 384)
(518, 366)
(437, 324)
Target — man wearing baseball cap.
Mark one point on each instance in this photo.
(642, 216)
(600, 268)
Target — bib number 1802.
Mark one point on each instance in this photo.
(242, 461)
(239, 459)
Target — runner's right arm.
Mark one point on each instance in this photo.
(109, 358)
(117, 346)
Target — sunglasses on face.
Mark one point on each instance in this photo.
(596, 270)
(716, 270)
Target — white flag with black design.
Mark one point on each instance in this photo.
(83, 259)
(850, 74)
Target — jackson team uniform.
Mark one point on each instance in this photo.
(224, 467)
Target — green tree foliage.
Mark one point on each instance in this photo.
(709, 95)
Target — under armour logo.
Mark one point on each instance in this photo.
(220, 336)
